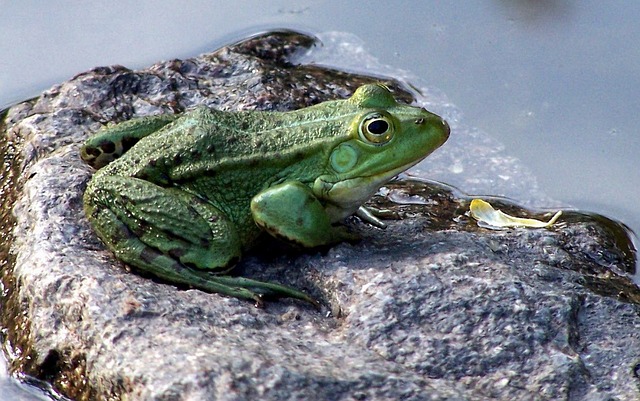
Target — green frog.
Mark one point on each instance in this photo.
(193, 192)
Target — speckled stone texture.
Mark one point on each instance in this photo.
(428, 309)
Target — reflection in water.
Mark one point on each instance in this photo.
(14, 390)
(534, 12)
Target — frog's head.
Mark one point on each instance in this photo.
(385, 138)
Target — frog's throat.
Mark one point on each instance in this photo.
(349, 194)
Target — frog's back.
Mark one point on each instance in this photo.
(207, 140)
(248, 133)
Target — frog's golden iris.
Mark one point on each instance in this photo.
(376, 128)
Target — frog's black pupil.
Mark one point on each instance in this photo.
(378, 127)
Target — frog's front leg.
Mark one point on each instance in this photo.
(291, 212)
(171, 234)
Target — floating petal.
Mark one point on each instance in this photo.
(485, 213)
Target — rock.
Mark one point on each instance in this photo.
(432, 308)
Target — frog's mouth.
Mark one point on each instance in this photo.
(349, 194)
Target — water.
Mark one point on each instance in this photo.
(11, 389)
(556, 82)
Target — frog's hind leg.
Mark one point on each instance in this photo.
(172, 234)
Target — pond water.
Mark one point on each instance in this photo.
(555, 82)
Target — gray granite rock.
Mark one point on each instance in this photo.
(432, 308)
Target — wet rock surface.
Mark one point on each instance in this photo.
(432, 308)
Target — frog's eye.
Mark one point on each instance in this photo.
(376, 128)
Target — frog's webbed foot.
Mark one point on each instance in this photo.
(257, 290)
(367, 216)
(238, 287)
